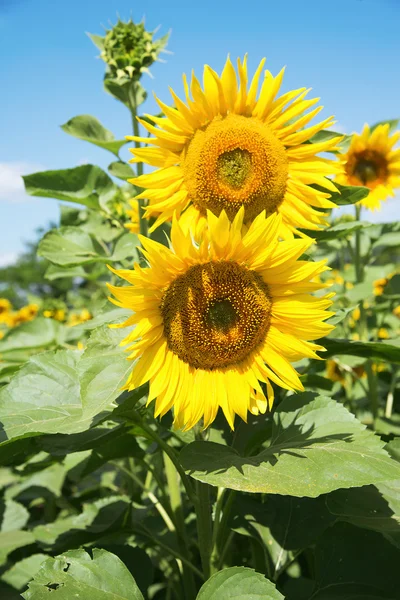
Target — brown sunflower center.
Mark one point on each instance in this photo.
(235, 161)
(216, 314)
(367, 168)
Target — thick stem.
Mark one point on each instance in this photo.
(204, 526)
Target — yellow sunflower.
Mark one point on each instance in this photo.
(371, 161)
(227, 147)
(216, 322)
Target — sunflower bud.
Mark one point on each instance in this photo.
(128, 49)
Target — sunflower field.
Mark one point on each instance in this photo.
(199, 391)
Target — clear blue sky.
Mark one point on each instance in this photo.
(346, 50)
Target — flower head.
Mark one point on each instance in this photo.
(372, 162)
(215, 323)
(226, 147)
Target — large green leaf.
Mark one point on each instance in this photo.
(68, 246)
(89, 129)
(88, 185)
(64, 392)
(355, 564)
(76, 575)
(239, 583)
(317, 446)
(389, 351)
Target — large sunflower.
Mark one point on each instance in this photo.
(216, 322)
(371, 161)
(225, 148)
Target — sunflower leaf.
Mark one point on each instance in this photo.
(65, 391)
(389, 350)
(69, 246)
(348, 194)
(89, 129)
(121, 170)
(77, 574)
(238, 582)
(317, 446)
(393, 125)
(88, 185)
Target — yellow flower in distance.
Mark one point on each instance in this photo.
(371, 161)
(216, 319)
(224, 148)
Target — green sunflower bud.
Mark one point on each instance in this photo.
(128, 49)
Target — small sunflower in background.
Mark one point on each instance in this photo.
(227, 147)
(218, 321)
(372, 161)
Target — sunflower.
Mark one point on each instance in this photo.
(226, 148)
(217, 322)
(371, 161)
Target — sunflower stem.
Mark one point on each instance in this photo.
(133, 104)
(204, 526)
(175, 496)
(371, 375)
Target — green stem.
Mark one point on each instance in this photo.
(139, 167)
(172, 455)
(204, 526)
(153, 499)
(372, 388)
(357, 253)
(177, 510)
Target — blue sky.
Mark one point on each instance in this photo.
(346, 50)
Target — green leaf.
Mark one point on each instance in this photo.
(68, 246)
(239, 583)
(89, 129)
(126, 247)
(387, 239)
(96, 518)
(56, 272)
(317, 446)
(121, 170)
(76, 574)
(11, 540)
(39, 333)
(64, 392)
(355, 564)
(341, 314)
(389, 351)
(14, 515)
(339, 231)
(324, 136)
(376, 508)
(44, 483)
(393, 125)
(23, 571)
(348, 194)
(88, 185)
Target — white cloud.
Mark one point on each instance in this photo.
(8, 258)
(11, 183)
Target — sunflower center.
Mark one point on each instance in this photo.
(234, 167)
(368, 168)
(216, 314)
(235, 161)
